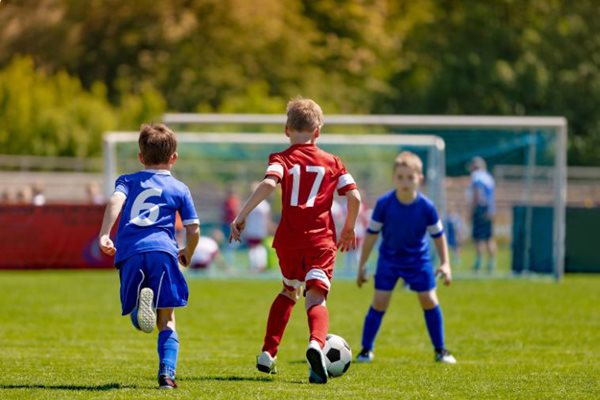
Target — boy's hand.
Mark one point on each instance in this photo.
(445, 272)
(347, 240)
(362, 276)
(184, 257)
(237, 226)
(106, 245)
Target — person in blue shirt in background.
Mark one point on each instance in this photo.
(404, 217)
(483, 208)
(146, 253)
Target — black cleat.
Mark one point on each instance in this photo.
(166, 382)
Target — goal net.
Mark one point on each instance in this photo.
(215, 164)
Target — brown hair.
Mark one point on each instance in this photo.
(410, 160)
(157, 143)
(304, 115)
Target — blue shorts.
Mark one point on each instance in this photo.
(482, 224)
(419, 279)
(154, 269)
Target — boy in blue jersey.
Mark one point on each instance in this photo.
(483, 208)
(145, 251)
(405, 217)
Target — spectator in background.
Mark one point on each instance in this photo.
(37, 190)
(483, 208)
(258, 226)
(231, 207)
(94, 194)
(24, 195)
(7, 197)
(207, 251)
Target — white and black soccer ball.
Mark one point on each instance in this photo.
(338, 355)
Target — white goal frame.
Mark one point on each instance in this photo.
(434, 146)
(558, 125)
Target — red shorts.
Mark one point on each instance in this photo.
(311, 267)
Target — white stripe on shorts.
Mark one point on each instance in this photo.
(318, 274)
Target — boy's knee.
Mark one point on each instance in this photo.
(315, 296)
(428, 299)
(292, 294)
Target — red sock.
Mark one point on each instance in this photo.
(318, 323)
(279, 315)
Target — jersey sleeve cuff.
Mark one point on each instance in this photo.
(347, 188)
(275, 170)
(192, 221)
(120, 193)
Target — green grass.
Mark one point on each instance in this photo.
(61, 337)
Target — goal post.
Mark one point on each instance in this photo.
(532, 142)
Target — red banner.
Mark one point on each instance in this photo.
(51, 236)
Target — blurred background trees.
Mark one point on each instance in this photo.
(71, 69)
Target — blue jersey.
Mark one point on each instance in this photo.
(483, 187)
(404, 229)
(148, 217)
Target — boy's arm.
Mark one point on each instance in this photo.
(192, 236)
(347, 239)
(262, 191)
(367, 247)
(442, 248)
(111, 213)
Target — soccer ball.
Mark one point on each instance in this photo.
(338, 355)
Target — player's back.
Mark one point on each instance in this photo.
(309, 178)
(148, 217)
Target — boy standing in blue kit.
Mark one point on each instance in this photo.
(145, 251)
(405, 217)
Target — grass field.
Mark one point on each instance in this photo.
(62, 337)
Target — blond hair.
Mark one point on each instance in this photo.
(304, 115)
(410, 160)
(157, 143)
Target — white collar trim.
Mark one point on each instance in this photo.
(158, 171)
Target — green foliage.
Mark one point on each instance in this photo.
(53, 115)
(505, 57)
(514, 339)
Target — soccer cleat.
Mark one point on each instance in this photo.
(146, 317)
(166, 382)
(444, 356)
(134, 321)
(365, 356)
(266, 363)
(317, 372)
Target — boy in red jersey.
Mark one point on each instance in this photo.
(305, 240)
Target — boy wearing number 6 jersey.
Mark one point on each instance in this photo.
(305, 240)
(145, 251)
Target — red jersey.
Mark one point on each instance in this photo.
(309, 177)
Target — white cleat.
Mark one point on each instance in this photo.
(317, 372)
(445, 357)
(365, 356)
(146, 317)
(265, 363)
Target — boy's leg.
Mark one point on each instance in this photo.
(433, 317)
(168, 348)
(491, 249)
(279, 315)
(318, 324)
(381, 301)
(318, 265)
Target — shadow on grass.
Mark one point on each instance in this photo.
(227, 378)
(89, 388)
(299, 361)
